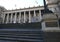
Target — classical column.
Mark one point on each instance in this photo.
(43, 25)
(29, 17)
(11, 17)
(7, 18)
(3, 18)
(40, 17)
(24, 17)
(19, 17)
(34, 18)
(15, 17)
(34, 14)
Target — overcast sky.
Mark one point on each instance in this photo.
(13, 4)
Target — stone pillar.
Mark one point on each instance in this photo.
(3, 18)
(40, 17)
(43, 25)
(7, 18)
(11, 17)
(29, 17)
(34, 18)
(24, 17)
(34, 14)
(20, 17)
(15, 18)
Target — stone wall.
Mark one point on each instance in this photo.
(52, 36)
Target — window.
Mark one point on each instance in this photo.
(51, 24)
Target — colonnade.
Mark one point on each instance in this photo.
(21, 17)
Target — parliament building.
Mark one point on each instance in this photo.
(34, 14)
(50, 22)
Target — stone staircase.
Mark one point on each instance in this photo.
(21, 35)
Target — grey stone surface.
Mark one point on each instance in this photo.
(52, 36)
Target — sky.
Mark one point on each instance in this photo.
(17, 4)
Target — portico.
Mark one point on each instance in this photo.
(22, 16)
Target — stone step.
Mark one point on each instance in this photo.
(20, 30)
(34, 40)
(24, 37)
(34, 35)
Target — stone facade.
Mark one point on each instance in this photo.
(54, 5)
(51, 19)
(22, 15)
(1, 12)
(33, 14)
(47, 26)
